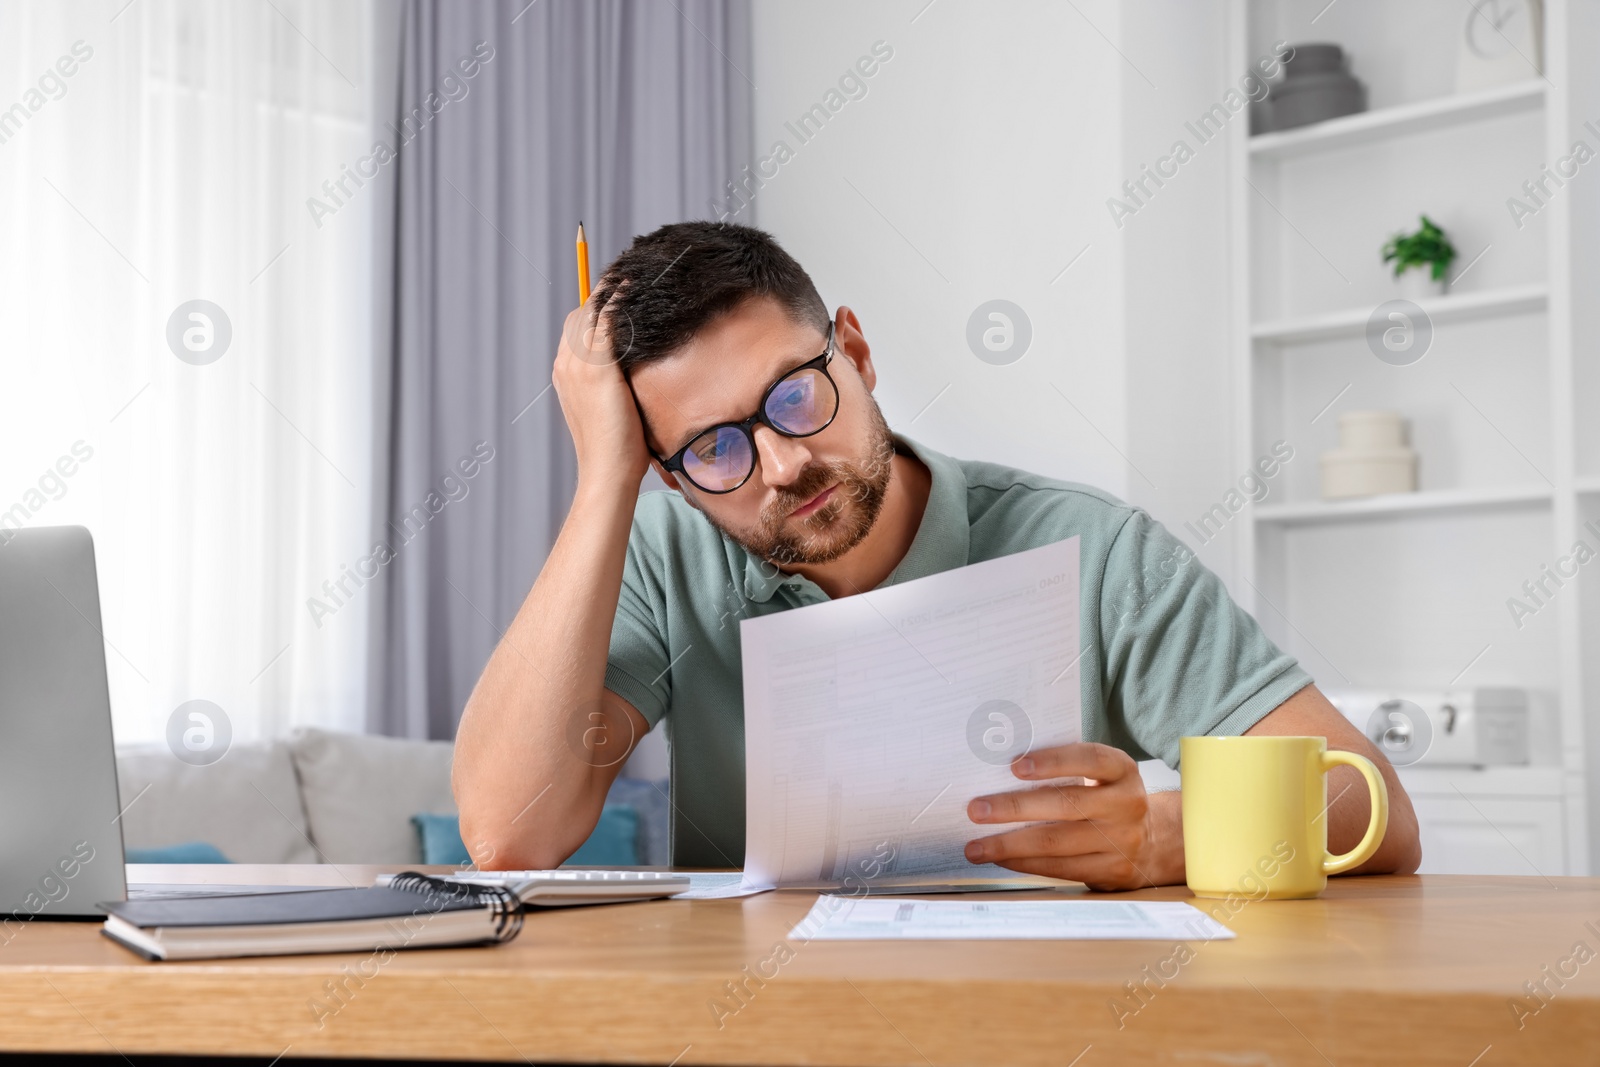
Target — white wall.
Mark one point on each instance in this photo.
(1176, 296)
(974, 168)
(984, 151)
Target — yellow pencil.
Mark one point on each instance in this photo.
(583, 267)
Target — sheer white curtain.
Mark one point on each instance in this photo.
(158, 153)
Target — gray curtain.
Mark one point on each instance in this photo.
(623, 114)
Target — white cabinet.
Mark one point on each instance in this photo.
(1494, 820)
(1491, 835)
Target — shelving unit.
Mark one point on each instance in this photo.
(1410, 590)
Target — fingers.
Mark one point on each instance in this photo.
(1085, 759)
(1058, 840)
(1104, 871)
(1051, 802)
(1117, 789)
(585, 336)
(1081, 851)
(1054, 840)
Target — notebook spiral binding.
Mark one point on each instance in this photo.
(505, 905)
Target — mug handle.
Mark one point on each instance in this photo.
(1378, 790)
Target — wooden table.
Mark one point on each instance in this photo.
(1393, 970)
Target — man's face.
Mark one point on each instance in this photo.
(810, 499)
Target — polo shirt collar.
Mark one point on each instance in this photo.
(943, 537)
(761, 578)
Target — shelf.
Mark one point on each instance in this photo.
(1318, 512)
(1392, 122)
(1352, 322)
(1587, 485)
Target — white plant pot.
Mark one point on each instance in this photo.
(1417, 284)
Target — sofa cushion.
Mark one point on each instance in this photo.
(247, 804)
(360, 792)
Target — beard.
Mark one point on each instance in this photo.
(837, 526)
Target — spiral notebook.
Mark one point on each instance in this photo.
(411, 911)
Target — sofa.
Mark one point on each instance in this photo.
(321, 796)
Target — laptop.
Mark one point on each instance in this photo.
(60, 824)
(61, 849)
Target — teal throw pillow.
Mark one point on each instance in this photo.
(614, 842)
(188, 852)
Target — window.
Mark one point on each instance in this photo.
(158, 156)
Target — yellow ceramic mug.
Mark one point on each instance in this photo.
(1254, 819)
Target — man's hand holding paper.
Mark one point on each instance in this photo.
(1107, 833)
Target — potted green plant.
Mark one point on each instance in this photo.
(1421, 260)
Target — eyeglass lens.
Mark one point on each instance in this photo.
(719, 459)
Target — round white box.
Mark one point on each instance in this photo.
(1368, 472)
(1366, 430)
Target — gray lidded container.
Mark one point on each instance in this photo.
(1316, 87)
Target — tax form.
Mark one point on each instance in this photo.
(845, 919)
(871, 721)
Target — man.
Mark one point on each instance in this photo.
(714, 360)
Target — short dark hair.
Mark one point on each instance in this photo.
(672, 283)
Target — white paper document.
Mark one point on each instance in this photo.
(846, 919)
(872, 720)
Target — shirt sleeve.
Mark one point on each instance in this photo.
(1181, 658)
(637, 662)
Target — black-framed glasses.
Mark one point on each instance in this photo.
(801, 403)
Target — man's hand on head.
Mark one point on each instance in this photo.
(607, 433)
(1107, 833)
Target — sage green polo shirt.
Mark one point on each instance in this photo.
(1167, 653)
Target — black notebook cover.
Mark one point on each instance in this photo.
(304, 906)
